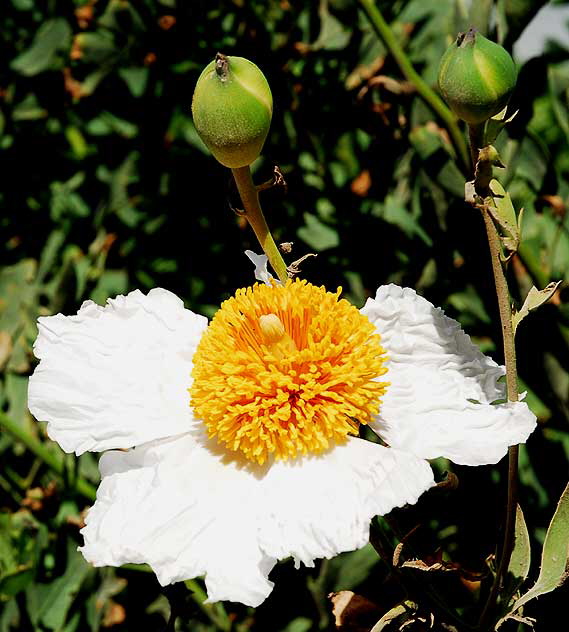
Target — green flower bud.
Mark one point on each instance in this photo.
(232, 109)
(476, 77)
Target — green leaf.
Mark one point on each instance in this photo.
(50, 253)
(22, 539)
(28, 109)
(534, 299)
(15, 581)
(333, 34)
(65, 202)
(111, 283)
(520, 561)
(136, 79)
(353, 568)
(10, 616)
(50, 603)
(395, 212)
(107, 123)
(23, 5)
(554, 556)
(17, 395)
(300, 624)
(317, 235)
(504, 207)
(53, 37)
(96, 47)
(18, 312)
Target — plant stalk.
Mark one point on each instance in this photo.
(476, 137)
(53, 461)
(425, 91)
(254, 215)
(512, 392)
(215, 612)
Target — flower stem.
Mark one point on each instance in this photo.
(198, 595)
(214, 611)
(512, 391)
(254, 215)
(425, 91)
(476, 137)
(53, 461)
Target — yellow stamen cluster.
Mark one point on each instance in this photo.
(287, 370)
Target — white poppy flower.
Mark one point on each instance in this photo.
(239, 435)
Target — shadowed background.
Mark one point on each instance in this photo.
(107, 188)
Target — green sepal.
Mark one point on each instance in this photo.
(496, 123)
(534, 299)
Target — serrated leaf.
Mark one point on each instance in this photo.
(534, 299)
(554, 556)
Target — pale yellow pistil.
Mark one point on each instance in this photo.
(276, 339)
(284, 371)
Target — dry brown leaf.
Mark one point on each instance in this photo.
(115, 614)
(5, 348)
(166, 22)
(353, 613)
(361, 184)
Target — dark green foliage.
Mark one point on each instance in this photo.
(106, 187)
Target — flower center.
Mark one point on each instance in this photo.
(287, 370)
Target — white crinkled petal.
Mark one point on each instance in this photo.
(436, 375)
(187, 511)
(317, 507)
(116, 376)
(181, 509)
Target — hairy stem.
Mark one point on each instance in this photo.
(425, 91)
(254, 215)
(53, 461)
(512, 390)
(476, 137)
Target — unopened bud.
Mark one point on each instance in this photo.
(476, 77)
(232, 109)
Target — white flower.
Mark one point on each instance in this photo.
(257, 470)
